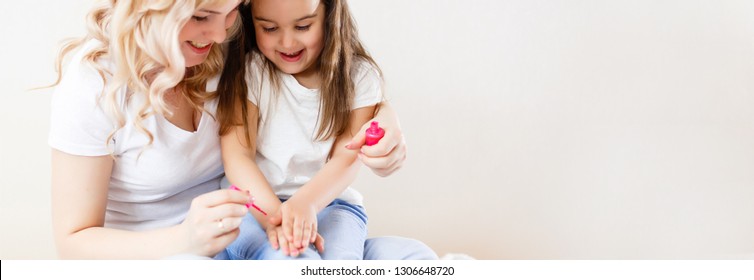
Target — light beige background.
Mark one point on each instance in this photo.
(536, 129)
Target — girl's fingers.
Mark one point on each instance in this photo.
(272, 236)
(294, 250)
(283, 243)
(319, 243)
(298, 230)
(288, 228)
(306, 236)
(313, 237)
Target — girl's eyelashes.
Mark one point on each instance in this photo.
(297, 27)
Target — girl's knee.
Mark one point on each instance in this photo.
(397, 248)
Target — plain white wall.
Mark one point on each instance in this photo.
(536, 129)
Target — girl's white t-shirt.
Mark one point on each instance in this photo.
(150, 186)
(288, 153)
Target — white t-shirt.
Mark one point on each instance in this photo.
(288, 153)
(150, 187)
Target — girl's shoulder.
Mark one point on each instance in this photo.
(363, 69)
(255, 63)
(256, 71)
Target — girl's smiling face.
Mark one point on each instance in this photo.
(290, 33)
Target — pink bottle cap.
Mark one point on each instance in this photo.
(373, 134)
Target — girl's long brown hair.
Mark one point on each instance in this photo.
(231, 109)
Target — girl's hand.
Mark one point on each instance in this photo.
(387, 155)
(212, 221)
(277, 239)
(299, 223)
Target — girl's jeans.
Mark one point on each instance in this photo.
(341, 224)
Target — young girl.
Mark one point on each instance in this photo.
(312, 86)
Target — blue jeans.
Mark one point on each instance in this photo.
(376, 248)
(397, 248)
(341, 224)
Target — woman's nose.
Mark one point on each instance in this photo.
(217, 33)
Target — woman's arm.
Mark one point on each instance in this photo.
(79, 199)
(388, 155)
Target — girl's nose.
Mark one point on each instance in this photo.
(286, 41)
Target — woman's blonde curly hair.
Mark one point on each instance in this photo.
(140, 39)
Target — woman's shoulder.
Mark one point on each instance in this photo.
(84, 71)
(78, 123)
(82, 83)
(83, 52)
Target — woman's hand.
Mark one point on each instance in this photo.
(213, 220)
(388, 154)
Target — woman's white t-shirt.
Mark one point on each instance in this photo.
(150, 186)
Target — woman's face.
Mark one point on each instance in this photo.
(290, 33)
(207, 26)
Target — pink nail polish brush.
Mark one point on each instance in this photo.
(250, 204)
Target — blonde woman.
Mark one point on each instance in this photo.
(136, 162)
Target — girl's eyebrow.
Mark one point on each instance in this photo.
(297, 20)
(306, 17)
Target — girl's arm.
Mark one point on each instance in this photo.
(79, 199)
(388, 155)
(242, 170)
(337, 174)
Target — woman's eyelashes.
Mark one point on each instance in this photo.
(199, 19)
(303, 28)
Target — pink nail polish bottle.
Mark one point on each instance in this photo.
(374, 134)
